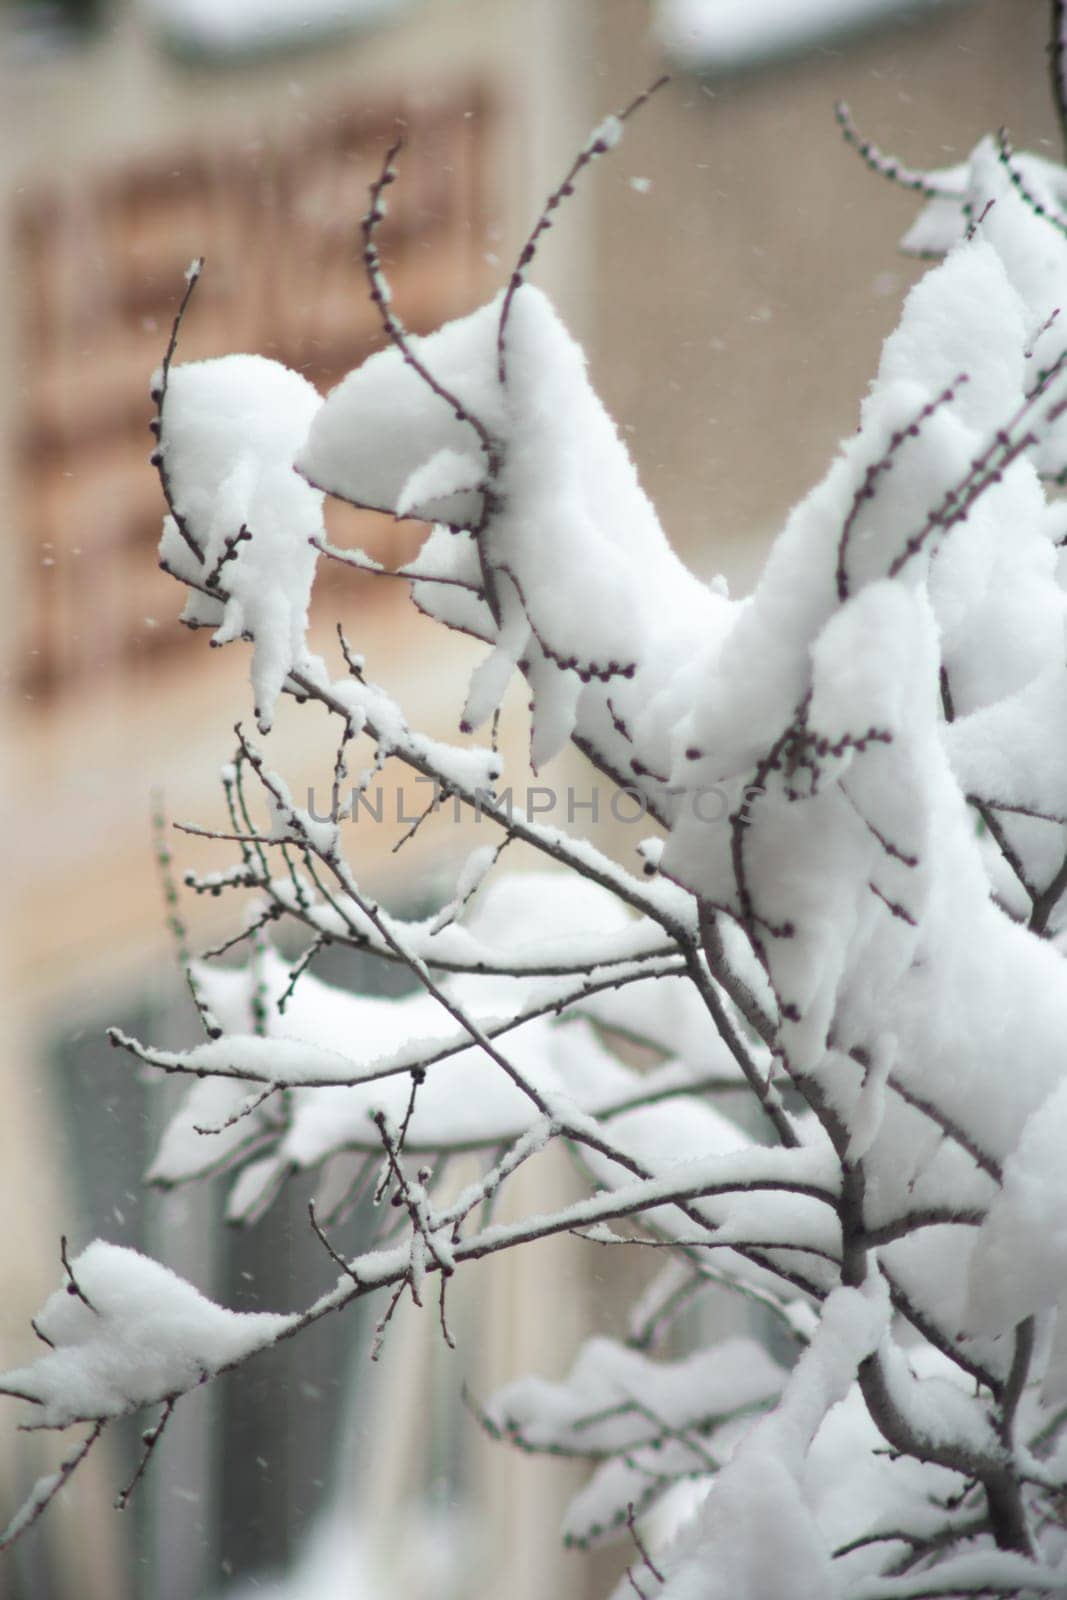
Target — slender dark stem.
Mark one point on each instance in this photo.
(160, 397)
(73, 1286)
(598, 146)
(150, 1440)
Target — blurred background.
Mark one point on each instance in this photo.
(731, 271)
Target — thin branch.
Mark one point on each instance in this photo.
(987, 469)
(175, 922)
(432, 806)
(231, 549)
(45, 1490)
(214, 951)
(1022, 1356)
(361, 562)
(935, 1336)
(381, 295)
(247, 1108)
(734, 1242)
(567, 662)
(442, 1311)
(159, 395)
(297, 971)
(337, 1259)
(642, 1548)
(1017, 809)
(582, 857)
(149, 1439)
(762, 1086)
(381, 1326)
(73, 1286)
(888, 166)
(418, 1078)
(418, 1054)
(867, 490)
(948, 1125)
(894, 907)
(893, 851)
(1046, 902)
(599, 145)
(919, 1542)
(999, 835)
(922, 1217)
(1039, 209)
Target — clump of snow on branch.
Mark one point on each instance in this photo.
(230, 430)
(361, 1050)
(651, 1423)
(1019, 1266)
(567, 500)
(860, 854)
(124, 1332)
(756, 1534)
(1017, 201)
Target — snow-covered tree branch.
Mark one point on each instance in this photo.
(866, 940)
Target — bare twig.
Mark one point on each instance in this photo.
(867, 490)
(150, 1438)
(73, 1286)
(164, 861)
(599, 144)
(1018, 182)
(888, 166)
(337, 1259)
(46, 1489)
(159, 395)
(381, 295)
(642, 1548)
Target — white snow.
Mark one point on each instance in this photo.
(570, 501)
(756, 1534)
(231, 428)
(1019, 1264)
(145, 1335)
(361, 1049)
(653, 1420)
